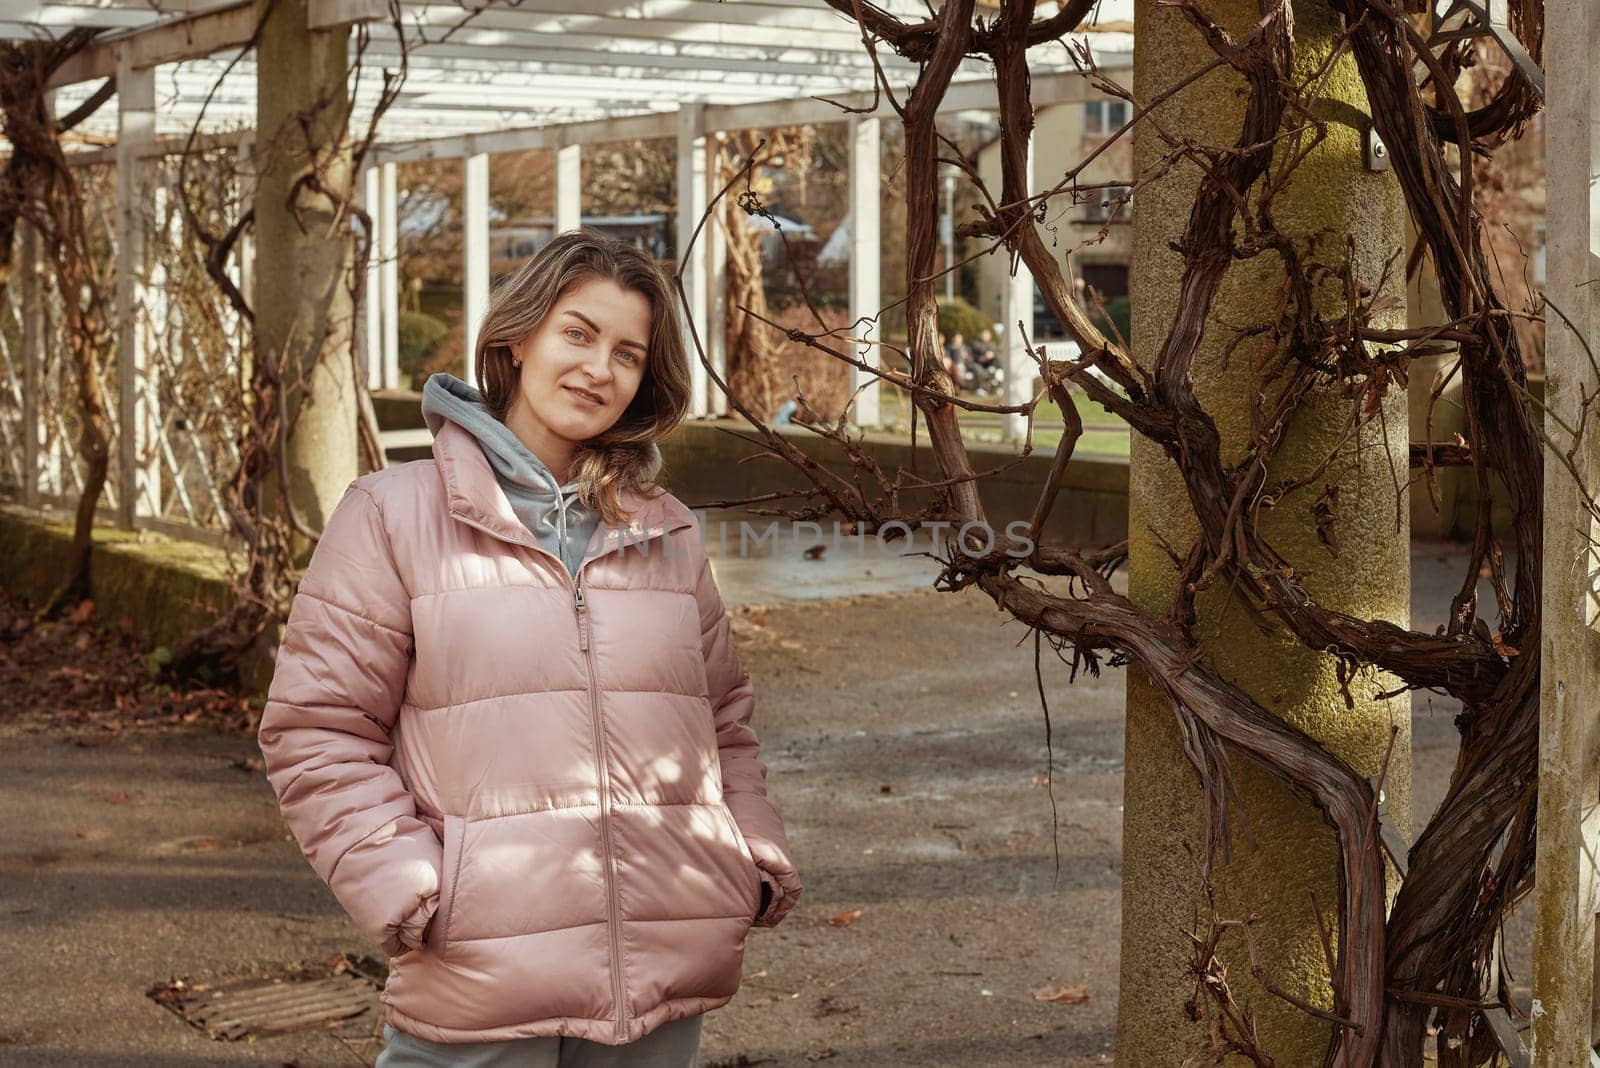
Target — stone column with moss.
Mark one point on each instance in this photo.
(303, 307)
(1281, 847)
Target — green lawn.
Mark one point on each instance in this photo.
(1103, 433)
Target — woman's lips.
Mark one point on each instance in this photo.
(585, 398)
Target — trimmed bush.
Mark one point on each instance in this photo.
(958, 317)
(1119, 313)
(420, 334)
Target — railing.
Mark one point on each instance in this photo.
(179, 366)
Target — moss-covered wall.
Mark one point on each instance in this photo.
(168, 588)
(702, 462)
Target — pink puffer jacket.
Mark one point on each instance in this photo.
(541, 795)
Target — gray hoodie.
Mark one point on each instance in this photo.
(560, 522)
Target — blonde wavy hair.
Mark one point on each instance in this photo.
(621, 458)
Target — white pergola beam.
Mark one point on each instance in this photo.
(690, 208)
(866, 260)
(372, 335)
(975, 95)
(138, 470)
(1566, 887)
(332, 14)
(497, 50)
(718, 27)
(33, 337)
(389, 270)
(715, 236)
(475, 248)
(594, 132)
(192, 36)
(569, 188)
(189, 37)
(1017, 319)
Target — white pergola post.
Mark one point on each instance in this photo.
(138, 463)
(389, 270)
(691, 206)
(372, 322)
(32, 364)
(569, 188)
(716, 238)
(866, 260)
(1565, 888)
(1017, 310)
(475, 249)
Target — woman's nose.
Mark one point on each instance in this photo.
(597, 368)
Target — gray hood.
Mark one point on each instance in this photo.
(560, 523)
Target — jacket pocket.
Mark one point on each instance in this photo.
(449, 872)
(752, 877)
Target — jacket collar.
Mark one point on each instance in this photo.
(474, 496)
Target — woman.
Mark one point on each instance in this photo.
(507, 724)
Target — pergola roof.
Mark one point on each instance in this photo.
(474, 68)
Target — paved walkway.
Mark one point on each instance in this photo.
(906, 750)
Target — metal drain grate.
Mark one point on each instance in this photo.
(269, 1006)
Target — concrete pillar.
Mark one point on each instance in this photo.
(372, 323)
(137, 462)
(691, 208)
(1281, 845)
(866, 259)
(389, 271)
(303, 307)
(1017, 307)
(569, 188)
(1566, 894)
(475, 249)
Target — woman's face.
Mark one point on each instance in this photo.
(580, 368)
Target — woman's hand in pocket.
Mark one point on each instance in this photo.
(770, 892)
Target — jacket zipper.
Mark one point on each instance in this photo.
(581, 613)
(613, 920)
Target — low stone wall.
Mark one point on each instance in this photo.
(167, 588)
(705, 463)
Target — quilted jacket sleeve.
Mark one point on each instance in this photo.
(744, 776)
(340, 675)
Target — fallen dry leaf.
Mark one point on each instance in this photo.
(1066, 995)
(117, 797)
(845, 918)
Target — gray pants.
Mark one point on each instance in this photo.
(675, 1044)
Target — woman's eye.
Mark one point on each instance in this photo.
(574, 333)
(626, 355)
